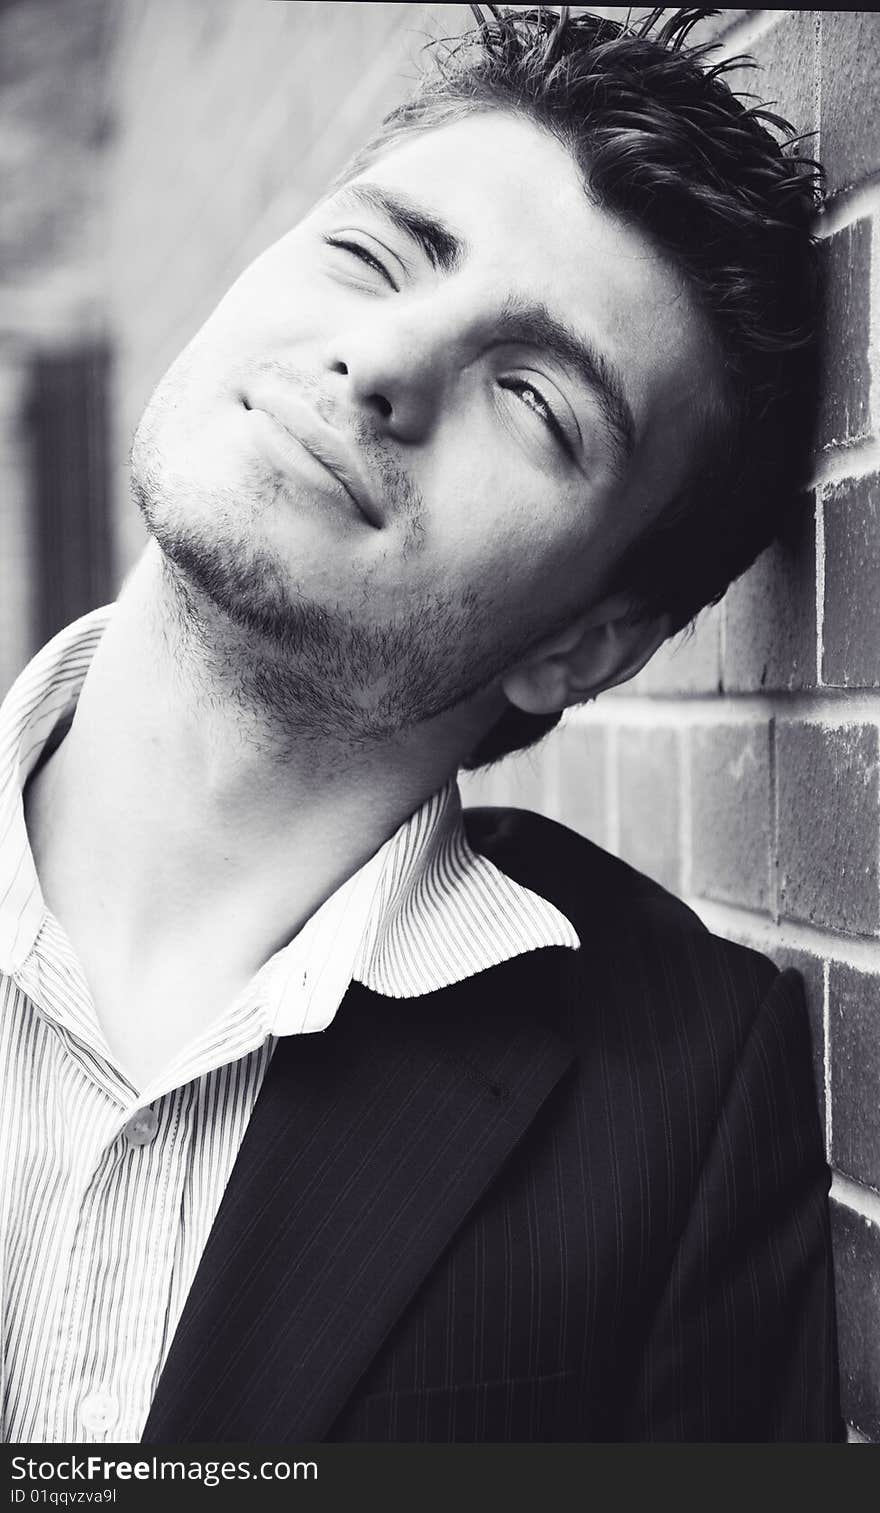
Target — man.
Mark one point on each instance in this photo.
(458, 452)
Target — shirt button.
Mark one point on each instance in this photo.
(141, 1127)
(98, 1412)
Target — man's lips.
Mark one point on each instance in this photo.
(324, 443)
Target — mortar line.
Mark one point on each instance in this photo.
(685, 824)
(774, 826)
(817, 79)
(831, 708)
(612, 780)
(826, 1052)
(854, 203)
(820, 585)
(856, 1197)
(847, 460)
(737, 921)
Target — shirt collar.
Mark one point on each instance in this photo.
(41, 700)
(425, 911)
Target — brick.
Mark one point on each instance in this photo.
(690, 663)
(857, 1275)
(581, 777)
(851, 622)
(730, 813)
(827, 796)
(812, 973)
(854, 1032)
(845, 364)
(770, 613)
(480, 787)
(850, 119)
(527, 779)
(787, 57)
(648, 766)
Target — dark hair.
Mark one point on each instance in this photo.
(663, 142)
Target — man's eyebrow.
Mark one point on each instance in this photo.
(441, 246)
(535, 326)
(520, 320)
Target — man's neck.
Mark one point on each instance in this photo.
(175, 825)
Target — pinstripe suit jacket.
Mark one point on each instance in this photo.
(581, 1196)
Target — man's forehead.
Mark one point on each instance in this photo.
(488, 171)
(513, 202)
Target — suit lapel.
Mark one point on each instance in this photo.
(368, 1146)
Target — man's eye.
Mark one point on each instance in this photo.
(363, 255)
(534, 400)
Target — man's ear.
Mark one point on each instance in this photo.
(604, 647)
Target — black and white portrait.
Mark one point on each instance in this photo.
(439, 899)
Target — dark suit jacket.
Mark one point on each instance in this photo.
(581, 1196)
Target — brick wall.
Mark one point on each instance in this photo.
(741, 768)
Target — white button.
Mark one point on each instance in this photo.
(98, 1412)
(141, 1127)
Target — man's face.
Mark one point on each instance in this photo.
(419, 431)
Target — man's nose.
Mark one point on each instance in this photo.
(396, 371)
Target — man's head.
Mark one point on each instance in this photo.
(474, 430)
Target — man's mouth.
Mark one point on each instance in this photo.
(326, 445)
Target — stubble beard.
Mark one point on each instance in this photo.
(313, 671)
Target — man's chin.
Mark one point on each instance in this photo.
(248, 590)
(294, 655)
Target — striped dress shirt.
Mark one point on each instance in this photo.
(109, 1192)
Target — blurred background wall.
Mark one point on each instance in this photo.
(152, 148)
(55, 539)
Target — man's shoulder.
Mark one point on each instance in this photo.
(653, 1000)
(635, 935)
(574, 873)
